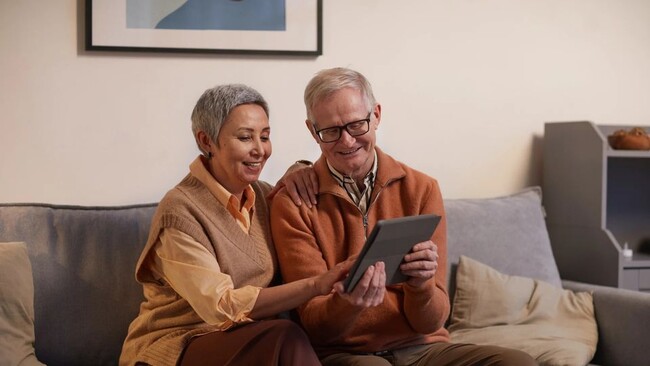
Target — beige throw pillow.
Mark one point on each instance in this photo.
(555, 326)
(16, 306)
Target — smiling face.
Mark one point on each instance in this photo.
(349, 155)
(242, 149)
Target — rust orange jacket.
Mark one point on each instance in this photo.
(311, 240)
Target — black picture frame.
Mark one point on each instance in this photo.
(106, 30)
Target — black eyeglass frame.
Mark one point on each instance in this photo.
(346, 127)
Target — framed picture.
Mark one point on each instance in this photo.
(277, 27)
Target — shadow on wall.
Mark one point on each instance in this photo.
(81, 26)
(534, 176)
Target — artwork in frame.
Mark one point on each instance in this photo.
(275, 27)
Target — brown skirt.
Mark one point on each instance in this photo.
(270, 342)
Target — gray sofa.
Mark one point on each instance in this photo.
(85, 294)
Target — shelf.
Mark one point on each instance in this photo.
(627, 153)
(638, 260)
(596, 199)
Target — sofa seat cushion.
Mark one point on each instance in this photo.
(555, 326)
(16, 306)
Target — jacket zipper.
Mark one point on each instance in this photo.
(365, 216)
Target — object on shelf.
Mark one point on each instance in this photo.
(634, 139)
(627, 252)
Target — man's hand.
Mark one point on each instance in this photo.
(370, 289)
(301, 183)
(421, 263)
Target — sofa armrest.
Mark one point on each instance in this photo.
(623, 319)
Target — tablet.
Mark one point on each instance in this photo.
(389, 241)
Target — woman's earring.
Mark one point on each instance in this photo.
(209, 154)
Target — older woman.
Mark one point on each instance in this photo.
(209, 260)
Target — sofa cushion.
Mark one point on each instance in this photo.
(555, 326)
(16, 306)
(507, 233)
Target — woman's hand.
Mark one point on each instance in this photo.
(301, 182)
(325, 282)
(276, 299)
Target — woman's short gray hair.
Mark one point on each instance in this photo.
(214, 106)
(328, 81)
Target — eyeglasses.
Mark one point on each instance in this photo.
(354, 128)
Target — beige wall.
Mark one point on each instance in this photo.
(465, 86)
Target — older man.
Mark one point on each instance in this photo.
(359, 184)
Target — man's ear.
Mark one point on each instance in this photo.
(312, 130)
(377, 113)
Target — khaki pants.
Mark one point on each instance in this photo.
(436, 354)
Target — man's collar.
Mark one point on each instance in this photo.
(342, 178)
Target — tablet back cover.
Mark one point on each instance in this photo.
(389, 241)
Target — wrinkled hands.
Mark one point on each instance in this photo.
(301, 183)
(370, 289)
(421, 263)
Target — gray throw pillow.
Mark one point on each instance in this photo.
(507, 233)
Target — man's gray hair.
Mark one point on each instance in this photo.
(328, 81)
(214, 106)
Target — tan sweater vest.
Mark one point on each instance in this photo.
(166, 321)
